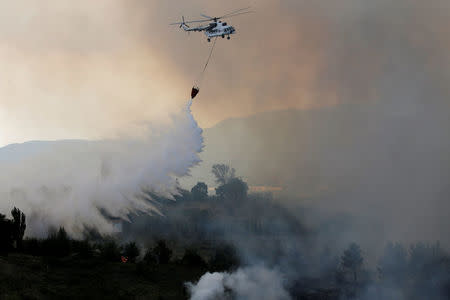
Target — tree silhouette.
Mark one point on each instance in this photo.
(223, 173)
(131, 251)
(200, 191)
(57, 244)
(162, 252)
(234, 190)
(110, 250)
(352, 260)
(19, 226)
(393, 263)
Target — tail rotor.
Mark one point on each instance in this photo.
(183, 23)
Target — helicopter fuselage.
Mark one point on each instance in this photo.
(213, 29)
(219, 29)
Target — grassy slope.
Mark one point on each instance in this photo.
(23, 276)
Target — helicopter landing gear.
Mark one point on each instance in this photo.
(228, 37)
(209, 40)
(223, 35)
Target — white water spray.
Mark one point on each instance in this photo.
(67, 183)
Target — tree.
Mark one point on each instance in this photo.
(223, 173)
(200, 191)
(131, 251)
(234, 189)
(393, 263)
(19, 226)
(57, 244)
(149, 257)
(352, 260)
(162, 252)
(110, 250)
(193, 259)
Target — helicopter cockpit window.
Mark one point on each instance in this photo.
(224, 24)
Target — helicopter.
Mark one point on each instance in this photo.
(215, 28)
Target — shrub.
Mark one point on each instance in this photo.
(162, 253)
(193, 259)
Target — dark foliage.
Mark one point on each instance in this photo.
(32, 246)
(223, 173)
(234, 190)
(82, 248)
(131, 251)
(162, 253)
(193, 259)
(19, 226)
(57, 244)
(149, 257)
(200, 191)
(392, 265)
(110, 250)
(225, 259)
(352, 261)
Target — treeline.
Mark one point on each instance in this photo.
(421, 271)
(59, 245)
(199, 216)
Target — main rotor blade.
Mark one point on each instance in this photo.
(188, 22)
(236, 11)
(197, 21)
(243, 13)
(208, 17)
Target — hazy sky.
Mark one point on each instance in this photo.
(90, 69)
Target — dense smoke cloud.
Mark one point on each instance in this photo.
(110, 56)
(307, 54)
(76, 183)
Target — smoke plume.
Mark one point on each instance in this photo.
(76, 183)
(246, 283)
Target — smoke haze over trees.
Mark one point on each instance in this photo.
(239, 244)
(341, 107)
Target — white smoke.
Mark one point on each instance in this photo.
(67, 183)
(251, 283)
